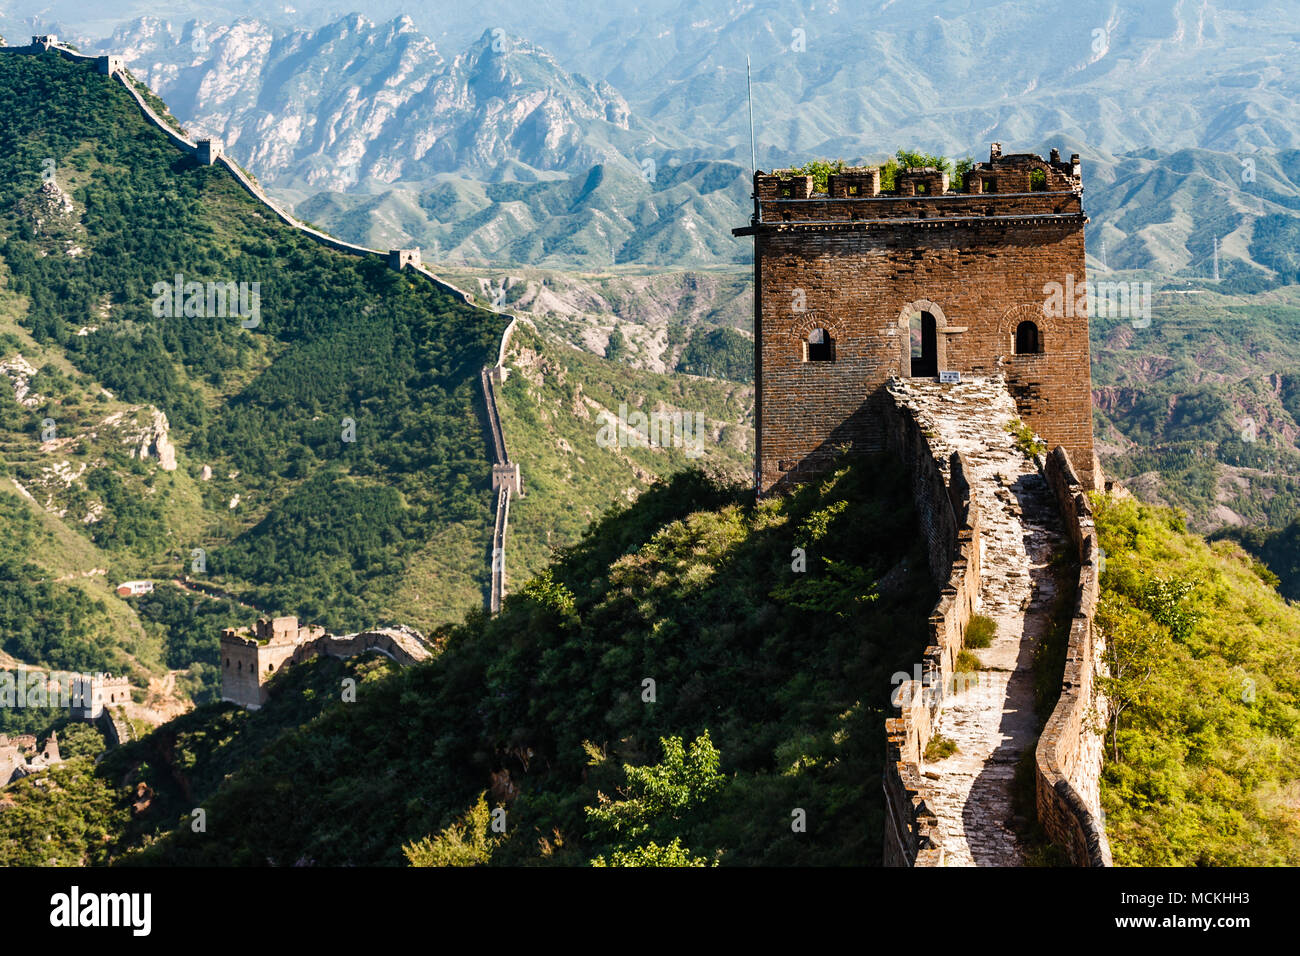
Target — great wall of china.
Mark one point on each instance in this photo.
(506, 477)
(99, 699)
(250, 657)
(992, 520)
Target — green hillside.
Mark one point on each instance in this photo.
(554, 405)
(690, 587)
(294, 517)
(1199, 406)
(1203, 757)
(769, 695)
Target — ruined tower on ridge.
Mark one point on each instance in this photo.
(854, 286)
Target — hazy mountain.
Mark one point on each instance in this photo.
(1166, 103)
(357, 101)
(833, 76)
(607, 216)
(1150, 209)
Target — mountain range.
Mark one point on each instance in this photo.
(397, 130)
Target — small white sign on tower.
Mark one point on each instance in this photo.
(950, 378)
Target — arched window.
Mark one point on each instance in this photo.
(1037, 181)
(925, 346)
(820, 347)
(1027, 340)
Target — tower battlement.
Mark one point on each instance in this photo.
(91, 693)
(399, 259)
(209, 151)
(251, 657)
(1022, 184)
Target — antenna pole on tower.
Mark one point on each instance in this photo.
(753, 152)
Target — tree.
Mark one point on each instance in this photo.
(1135, 648)
(464, 843)
(820, 170)
(616, 350)
(674, 854)
(658, 800)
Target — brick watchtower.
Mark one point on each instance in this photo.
(855, 285)
(249, 660)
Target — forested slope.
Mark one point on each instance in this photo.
(321, 441)
(690, 588)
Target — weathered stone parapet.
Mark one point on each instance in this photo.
(1069, 755)
(251, 658)
(950, 522)
(401, 644)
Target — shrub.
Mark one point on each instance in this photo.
(940, 747)
(980, 631)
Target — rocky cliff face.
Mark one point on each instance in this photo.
(357, 101)
(51, 466)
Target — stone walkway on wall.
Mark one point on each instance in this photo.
(993, 722)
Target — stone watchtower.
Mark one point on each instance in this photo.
(249, 660)
(208, 152)
(399, 259)
(854, 286)
(91, 693)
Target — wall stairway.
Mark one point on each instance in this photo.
(992, 719)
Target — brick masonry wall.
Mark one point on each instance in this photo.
(1069, 755)
(950, 523)
(116, 728)
(860, 267)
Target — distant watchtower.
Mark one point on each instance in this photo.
(108, 65)
(854, 286)
(249, 660)
(399, 259)
(209, 151)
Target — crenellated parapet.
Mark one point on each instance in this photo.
(1015, 185)
(950, 522)
(1069, 755)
